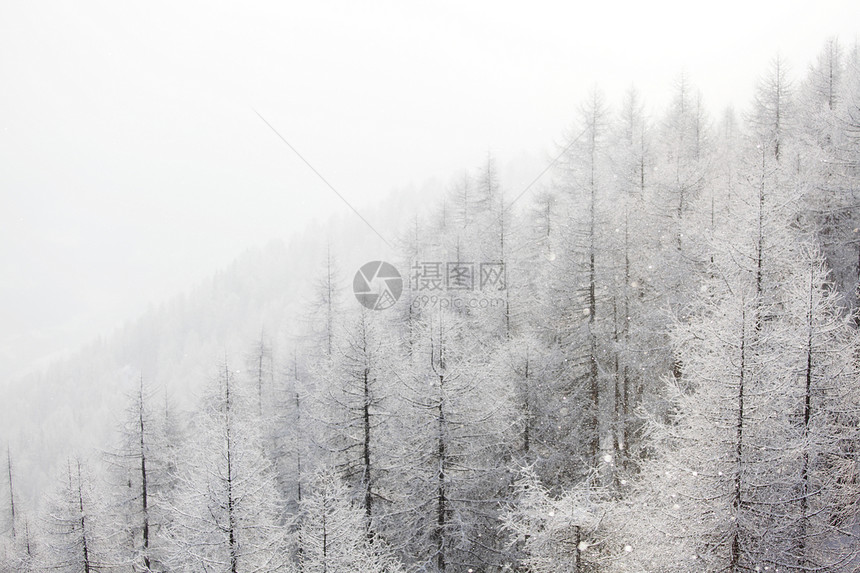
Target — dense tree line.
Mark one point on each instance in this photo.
(648, 364)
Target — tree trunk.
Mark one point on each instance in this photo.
(368, 492)
(737, 501)
(84, 541)
(11, 489)
(144, 492)
(231, 517)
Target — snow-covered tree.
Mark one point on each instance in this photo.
(460, 435)
(555, 534)
(325, 306)
(358, 406)
(10, 520)
(228, 515)
(296, 427)
(742, 477)
(774, 114)
(17, 544)
(141, 472)
(77, 535)
(820, 452)
(333, 533)
(260, 369)
(585, 179)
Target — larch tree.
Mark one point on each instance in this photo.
(585, 320)
(228, 516)
(461, 430)
(295, 425)
(260, 368)
(17, 545)
(819, 453)
(139, 470)
(13, 517)
(683, 168)
(326, 303)
(631, 240)
(333, 533)
(773, 117)
(497, 240)
(77, 539)
(828, 179)
(358, 405)
(555, 534)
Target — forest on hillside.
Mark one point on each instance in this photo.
(649, 362)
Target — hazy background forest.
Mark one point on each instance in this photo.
(638, 353)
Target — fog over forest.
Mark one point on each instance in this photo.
(627, 343)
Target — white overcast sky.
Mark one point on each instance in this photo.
(132, 163)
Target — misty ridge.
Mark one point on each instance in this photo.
(639, 354)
